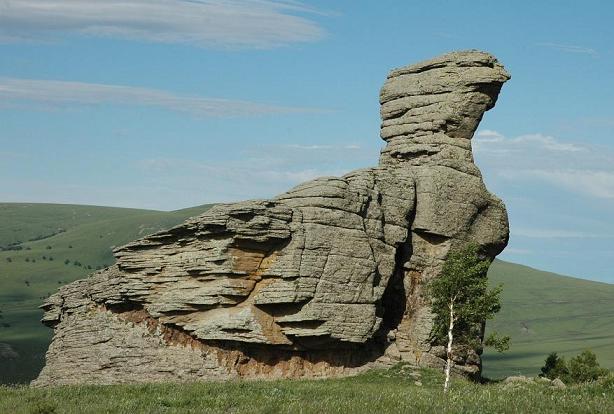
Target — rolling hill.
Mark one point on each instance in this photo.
(546, 312)
(47, 245)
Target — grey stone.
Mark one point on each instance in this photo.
(557, 383)
(311, 282)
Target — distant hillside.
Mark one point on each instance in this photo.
(47, 245)
(545, 312)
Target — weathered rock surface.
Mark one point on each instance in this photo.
(326, 279)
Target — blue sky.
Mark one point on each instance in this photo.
(167, 104)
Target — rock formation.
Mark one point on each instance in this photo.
(323, 280)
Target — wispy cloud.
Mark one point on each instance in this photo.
(574, 167)
(569, 48)
(205, 23)
(594, 183)
(255, 172)
(537, 233)
(544, 142)
(231, 180)
(318, 147)
(59, 94)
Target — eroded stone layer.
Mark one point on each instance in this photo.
(326, 279)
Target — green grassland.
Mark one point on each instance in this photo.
(546, 312)
(542, 312)
(397, 390)
(58, 244)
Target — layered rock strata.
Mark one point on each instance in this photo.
(326, 279)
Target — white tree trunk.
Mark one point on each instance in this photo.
(449, 350)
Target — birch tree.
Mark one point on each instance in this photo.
(462, 302)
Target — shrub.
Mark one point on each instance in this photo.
(580, 369)
(554, 367)
(66, 261)
(585, 368)
(9, 260)
(607, 381)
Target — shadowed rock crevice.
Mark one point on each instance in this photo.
(325, 279)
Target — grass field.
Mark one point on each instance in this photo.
(59, 244)
(542, 312)
(397, 390)
(546, 312)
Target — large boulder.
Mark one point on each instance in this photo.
(323, 280)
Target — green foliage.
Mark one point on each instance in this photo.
(554, 367)
(498, 342)
(607, 381)
(581, 369)
(585, 368)
(463, 284)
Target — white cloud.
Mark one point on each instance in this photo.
(485, 137)
(537, 233)
(309, 147)
(569, 48)
(54, 94)
(488, 135)
(534, 158)
(547, 142)
(205, 23)
(599, 184)
(231, 180)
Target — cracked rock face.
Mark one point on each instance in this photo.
(326, 279)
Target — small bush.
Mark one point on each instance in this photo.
(9, 260)
(581, 369)
(554, 367)
(607, 381)
(585, 368)
(67, 261)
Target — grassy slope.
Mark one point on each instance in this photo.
(543, 312)
(390, 391)
(89, 236)
(546, 312)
